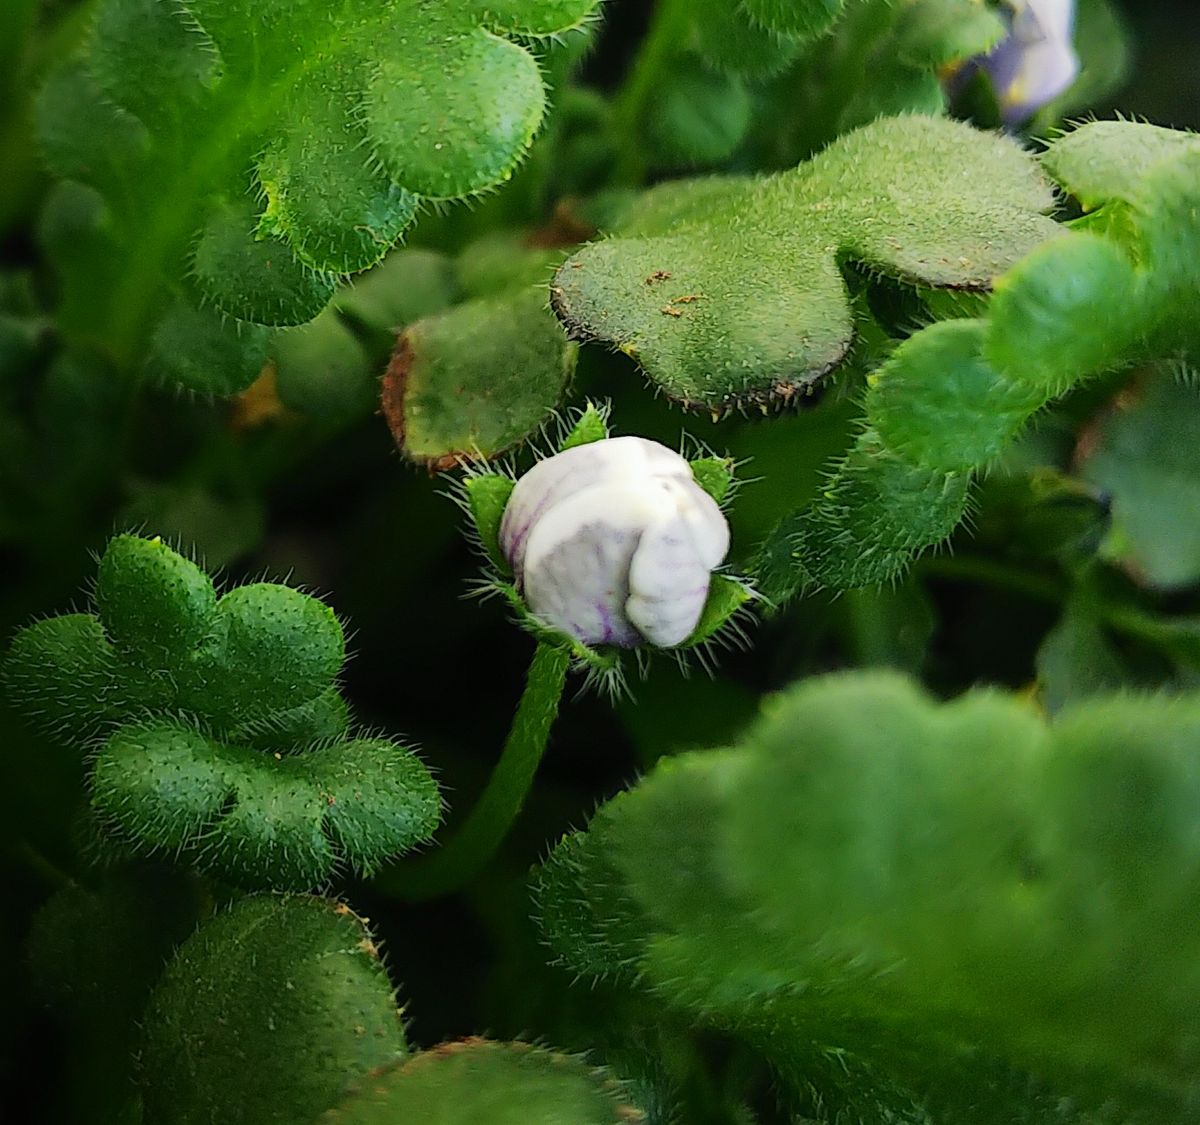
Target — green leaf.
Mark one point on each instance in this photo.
(1142, 456)
(472, 382)
(1077, 661)
(728, 41)
(340, 122)
(1069, 310)
(323, 371)
(1106, 160)
(269, 648)
(931, 33)
(62, 673)
(952, 397)
(586, 914)
(729, 292)
(202, 350)
(876, 511)
(407, 285)
(700, 117)
(222, 738)
(266, 1014)
(475, 1080)
(156, 605)
(95, 954)
(807, 18)
(936, 892)
(256, 277)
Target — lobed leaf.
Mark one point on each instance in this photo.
(729, 292)
(939, 894)
(179, 113)
(951, 398)
(475, 1080)
(221, 735)
(266, 1014)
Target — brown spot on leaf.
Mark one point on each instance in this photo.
(658, 275)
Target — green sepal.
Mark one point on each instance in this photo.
(591, 425)
(601, 664)
(726, 597)
(266, 1014)
(476, 1080)
(487, 497)
(715, 475)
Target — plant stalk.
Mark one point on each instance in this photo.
(468, 851)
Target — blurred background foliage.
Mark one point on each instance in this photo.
(1078, 570)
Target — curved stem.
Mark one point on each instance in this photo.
(469, 849)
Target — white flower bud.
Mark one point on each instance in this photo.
(613, 542)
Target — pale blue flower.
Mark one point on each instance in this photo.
(1037, 61)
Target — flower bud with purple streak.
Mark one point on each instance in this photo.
(1037, 61)
(614, 543)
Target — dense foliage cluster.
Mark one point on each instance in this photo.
(809, 383)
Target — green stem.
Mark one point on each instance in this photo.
(666, 34)
(466, 853)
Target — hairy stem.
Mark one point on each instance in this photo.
(469, 849)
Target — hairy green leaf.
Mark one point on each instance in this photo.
(1142, 455)
(952, 397)
(475, 1080)
(266, 1014)
(341, 122)
(729, 292)
(472, 382)
(222, 737)
(924, 889)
